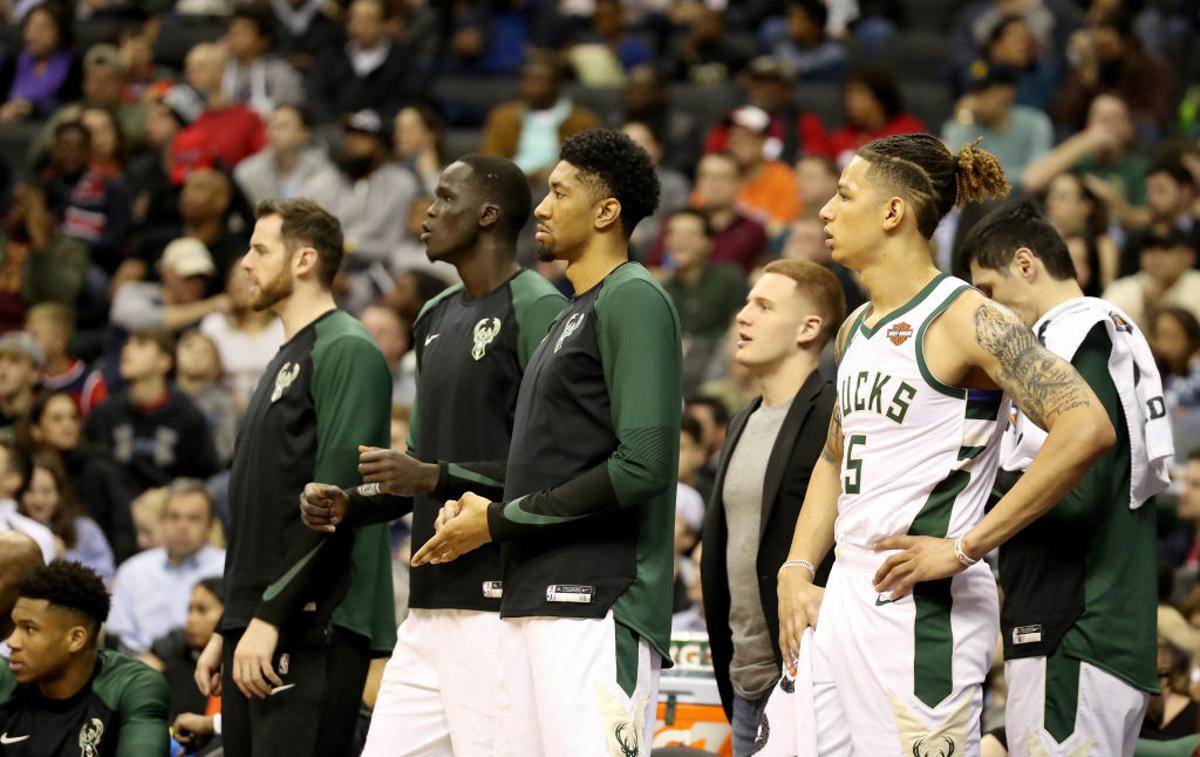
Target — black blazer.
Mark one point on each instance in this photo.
(800, 441)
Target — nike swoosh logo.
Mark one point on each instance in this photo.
(6, 739)
(430, 338)
(284, 687)
(880, 601)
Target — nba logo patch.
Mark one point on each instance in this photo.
(899, 333)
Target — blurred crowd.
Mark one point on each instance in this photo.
(138, 135)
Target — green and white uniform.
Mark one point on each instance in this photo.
(919, 458)
(1079, 614)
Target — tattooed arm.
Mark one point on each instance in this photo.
(1055, 397)
(1050, 392)
(799, 599)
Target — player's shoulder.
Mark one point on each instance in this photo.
(630, 283)
(529, 286)
(8, 684)
(437, 301)
(125, 683)
(342, 331)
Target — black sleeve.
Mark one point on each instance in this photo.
(484, 478)
(380, 508)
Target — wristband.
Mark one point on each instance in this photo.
(800, 564)
(962, 556)
(368, 490)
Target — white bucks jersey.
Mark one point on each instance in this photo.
(918, 457)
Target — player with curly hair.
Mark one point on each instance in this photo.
(586, 521)
(907, 624)
(60, 694)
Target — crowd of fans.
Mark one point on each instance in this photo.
(138, 137)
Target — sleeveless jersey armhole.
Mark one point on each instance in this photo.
(926, 373)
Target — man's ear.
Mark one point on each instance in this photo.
(305, 261)
(894, 211)
(608, 212)
(1025, 263)
(77, 639)
(809, 329)
(489, 215)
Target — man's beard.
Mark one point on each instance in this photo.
(272, 292)
(546, 254)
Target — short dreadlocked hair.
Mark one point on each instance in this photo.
(69, 586)
(922, 171)
(613, 165)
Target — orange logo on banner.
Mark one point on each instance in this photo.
(899, 333)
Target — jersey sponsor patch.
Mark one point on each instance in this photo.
(493, 589)
(287, 374)
(899, 333)
(570, 593)
(1027, 634)
(485, 331)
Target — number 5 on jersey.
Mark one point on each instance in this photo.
(852, 480)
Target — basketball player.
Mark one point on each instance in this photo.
(304, 611)
(586, 524)
(911, 455)
(1079, 615)
(473, 342)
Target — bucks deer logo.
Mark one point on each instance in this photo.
(485, 331)
(940, 745)
(572, 325)
(899, 333)
(287, 374)
(89, 738)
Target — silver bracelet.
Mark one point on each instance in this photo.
(812, 569)
(368, 490)
(962, 556)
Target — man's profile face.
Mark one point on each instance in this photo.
(268, 264)
(41, 641)
(451, 223)
(564, 218)
(186, 524)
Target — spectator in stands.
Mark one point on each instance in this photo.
(252, 76)
(198, 374)
(151, 429)
(1173, 713)
(529, 131)
(52, 325)
(646, 101)
(246, 338)
(174, 653)
(1108, 57)
(139, 69)
(1012, 43)
(1167, 277)
(47, 497)
(149, 512)
(303, 29)
(53, 423)
(19, 556)
(372, 71)
(1078, 214)
(817, 180)
(1051, 23)
(806, 241)
(389, 332)
(686, 615)
(1175, 337)
(90, 207)
(231, 130)
(673, 192)
(713, 417)
(606, 51)
(1181, 549)
(419, 136)
(44, 264)
(11, 479)
(704, 55)
(707, 295)
(768, 456)
(367, 191)
(104, 81)
(1015, 134)
(289, 160)
(56, 661)
(1106, 148)
(874, 109)
(1170, 201)
(152, 589)
(152, 173)
(21, 362)
(793, 132)
(803, 46)
(768, 189)
(45, 73)
(177, 300)
(109, 150)
(737, 238)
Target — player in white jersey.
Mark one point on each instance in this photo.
(906, 627)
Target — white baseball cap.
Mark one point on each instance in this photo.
(187, 256)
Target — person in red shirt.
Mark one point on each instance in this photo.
(232, 131)
(874, 109)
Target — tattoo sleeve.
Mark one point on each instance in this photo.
(833, 440)
(1041, 384)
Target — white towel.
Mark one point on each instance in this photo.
(789, 725)
(1136, 378)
